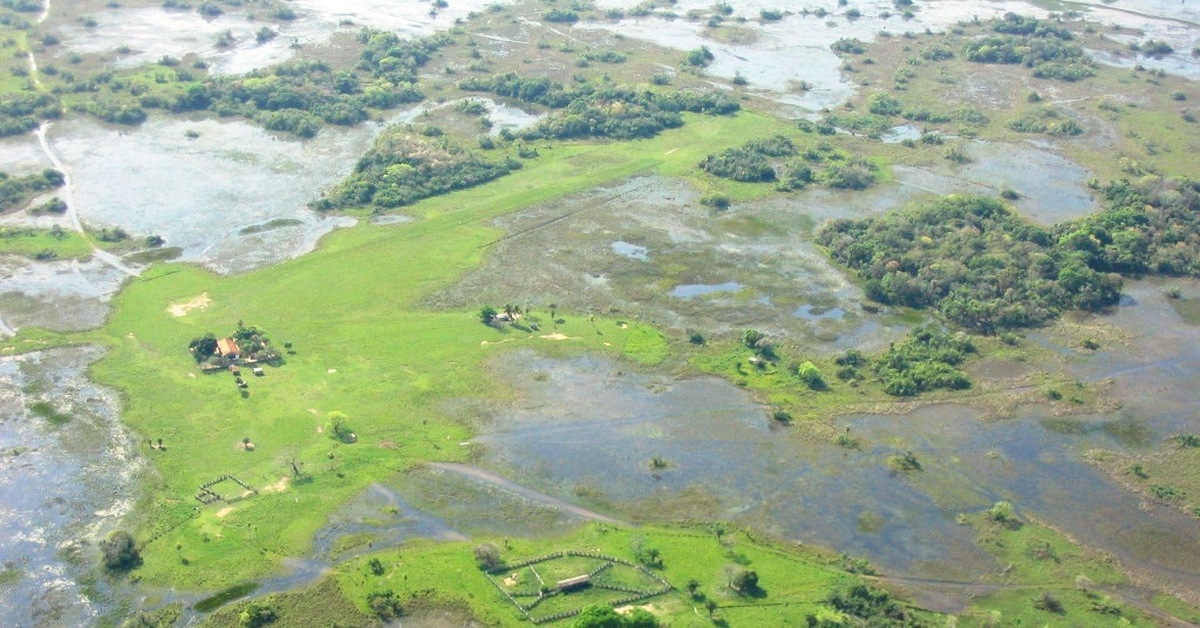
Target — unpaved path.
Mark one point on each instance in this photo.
(528, 493)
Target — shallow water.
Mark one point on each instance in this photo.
(148, 181)
(632, 251)
(152, 32)
(585, 427)
(63, 295)
(1059, 193)
(769, 63)
(693, 290)
(62, 487)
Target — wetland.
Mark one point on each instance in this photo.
(602, 350)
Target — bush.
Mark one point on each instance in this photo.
(1003, 513)
(487, 556)
(386, 605)
(119, 552)
(255, 615)
(811, 376)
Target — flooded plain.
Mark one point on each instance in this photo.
(647, 248)
(68, 473)
(587, 430)
(202, 193)
(580, 442)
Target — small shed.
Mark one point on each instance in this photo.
(577, 582)
(258, 372)
(228, 348)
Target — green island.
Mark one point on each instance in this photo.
(616, 236)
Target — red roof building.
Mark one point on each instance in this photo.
(228, 348)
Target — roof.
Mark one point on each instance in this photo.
(574, 582)
(227, 346)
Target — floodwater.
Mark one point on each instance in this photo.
(200, 194)
(632, 251)
(64, 295)
(152, 32)
(767, 59)
(590, 429)
(64, 485)
(693, 290)
(751, 266)
(1059, 193)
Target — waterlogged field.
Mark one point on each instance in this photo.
(610, 403)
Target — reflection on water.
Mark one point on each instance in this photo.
(201, 193)
(632, 251)
(692, 290)
(587, 428)
(65, 482)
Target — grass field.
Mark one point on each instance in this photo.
(361, 347)
(794, 581)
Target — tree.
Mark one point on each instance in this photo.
(487, 315)
(119, 552)
(256, 614)
(743, 580)
(811, 376)
(338, 427)
(597, 616)
(488, 556)
(203, 347)
(385, 605)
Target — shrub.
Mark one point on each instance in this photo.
(119, 552)
(487, 556)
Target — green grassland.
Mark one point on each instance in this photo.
(1133, 120)
(794, 581)
(1042, 565)
(43, 243)
(361, 347)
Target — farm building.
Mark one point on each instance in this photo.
(228, 348)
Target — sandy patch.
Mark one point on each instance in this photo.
(512, 580)
(277, 487)
(224, 511)
(625, 610)
(181, 308)
(331, 371)
(494, 342)
(558, 335)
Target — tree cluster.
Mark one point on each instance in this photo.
(20, 113)
(297, 97)
(778, 159)
(591, 111)
(403, 168)
(975, 261)
(928, 359)
(16, 191)
(875, 607)
(1034, 43)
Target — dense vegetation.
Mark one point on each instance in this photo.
(778, 159)
(297, 97)
(985, 268)
(974, 260)
(402, 169)
(591, 111)
(16, 191)
(20, 113)
(1034, 43)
